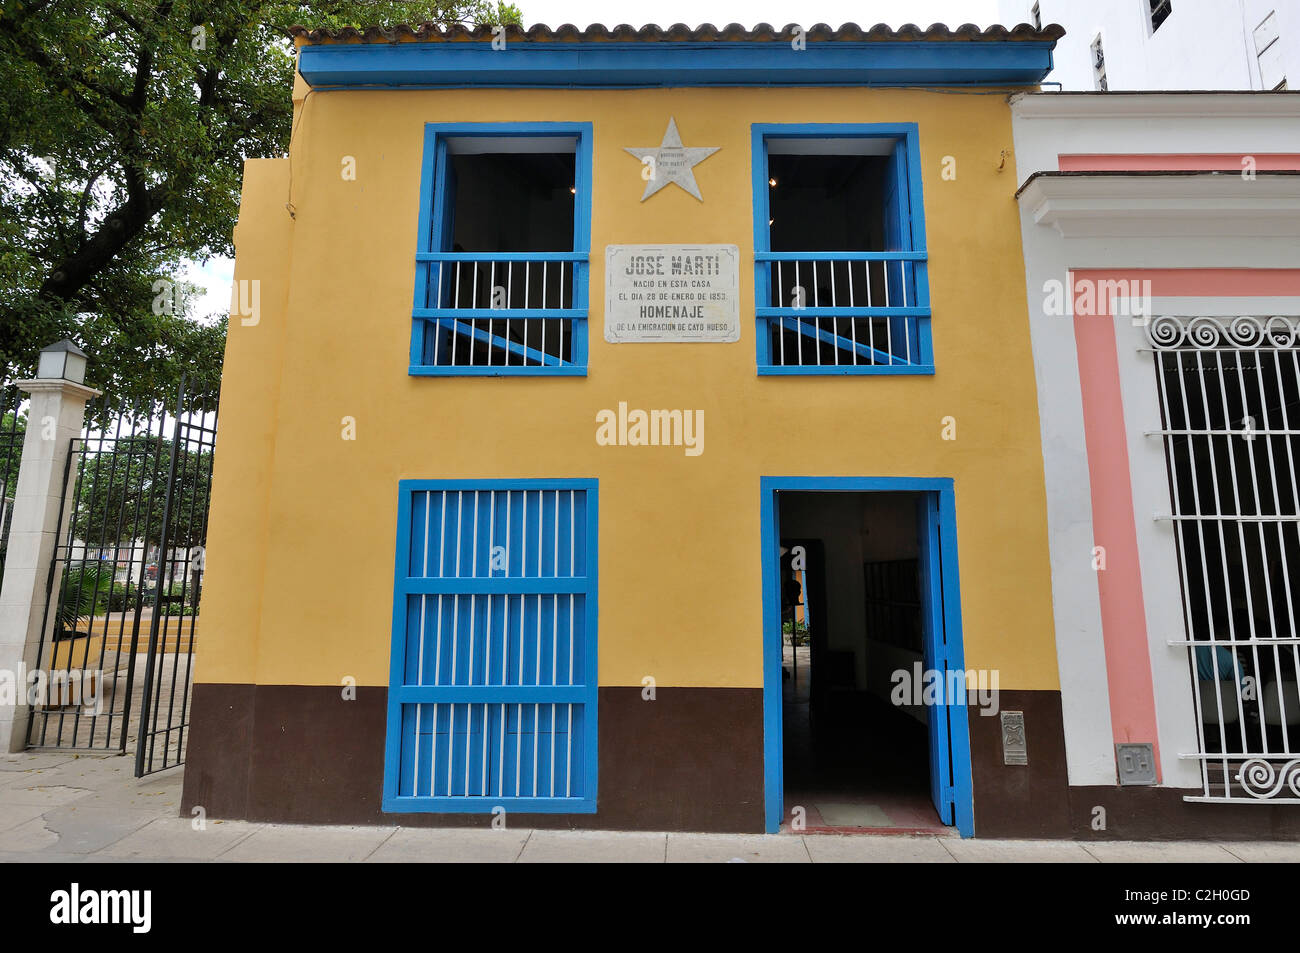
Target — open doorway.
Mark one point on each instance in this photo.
(861, 602)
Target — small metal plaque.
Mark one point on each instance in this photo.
(1014, 748)
(1136, 763)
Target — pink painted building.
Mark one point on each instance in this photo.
(1162, 262)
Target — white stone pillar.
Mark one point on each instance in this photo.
(54, 417)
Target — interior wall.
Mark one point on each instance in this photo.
(827, 203)
(513, 202)
(855, 528)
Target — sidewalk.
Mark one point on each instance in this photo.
(57, 807)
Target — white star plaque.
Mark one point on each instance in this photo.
(670, 161)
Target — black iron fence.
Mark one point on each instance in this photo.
(123, 589)
(13, 430)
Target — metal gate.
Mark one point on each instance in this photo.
(115, 662)
(1230, 402)
(12, 433)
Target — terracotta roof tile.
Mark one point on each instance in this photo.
(678, 32)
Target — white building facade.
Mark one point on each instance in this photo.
(1169, 44)
(1162, 248)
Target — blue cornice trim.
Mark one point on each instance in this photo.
(719, 63)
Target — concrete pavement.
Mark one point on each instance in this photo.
(58, 807)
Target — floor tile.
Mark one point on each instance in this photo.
(422, 844)
(869, 849)
(594, 846)
(733, 848)
(974, 850)
(292, 842)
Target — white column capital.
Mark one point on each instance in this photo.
(62, 386)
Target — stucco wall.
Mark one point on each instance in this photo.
(300, 571)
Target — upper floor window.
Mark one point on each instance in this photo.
(1099, 65)
(1268, 54)
(502, 254)
(1159, 11)
(840, 260)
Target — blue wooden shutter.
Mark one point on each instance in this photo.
(492, 699)
(439, 291)
(898, 237)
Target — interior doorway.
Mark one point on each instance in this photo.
(860, 600)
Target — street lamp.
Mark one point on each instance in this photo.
(62, 361)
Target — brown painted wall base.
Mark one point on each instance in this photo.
(1154, 813)
(1030, 800)
(691, 760)
(1035, 800)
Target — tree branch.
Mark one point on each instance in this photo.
(85, 202)
(123, 224)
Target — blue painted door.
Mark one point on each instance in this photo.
(936, 653)
(492, 698)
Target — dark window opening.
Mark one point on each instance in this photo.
(512, 202)
(1231, 448)
(818, 202)
(504, 202)
(1160, 10)
(827, 203)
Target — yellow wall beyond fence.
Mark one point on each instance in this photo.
(300, 568)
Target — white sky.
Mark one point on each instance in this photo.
(216, 275)
(865, 13)
(214, 280)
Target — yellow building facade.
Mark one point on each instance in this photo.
(324, 418)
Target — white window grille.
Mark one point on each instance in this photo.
(1230, 404)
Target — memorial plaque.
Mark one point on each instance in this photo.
(672, 293)
(1015, 750)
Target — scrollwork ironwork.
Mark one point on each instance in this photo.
(1264, 779)
(1169, 333)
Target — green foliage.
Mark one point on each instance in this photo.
(123, 132)
(125, 490)
(122, 597)
(180, 600)
(84, 593)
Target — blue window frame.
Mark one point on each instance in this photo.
(501, 311)
(492, 690)
(859, 310)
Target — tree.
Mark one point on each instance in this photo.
(123, 130)
(123, 491)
